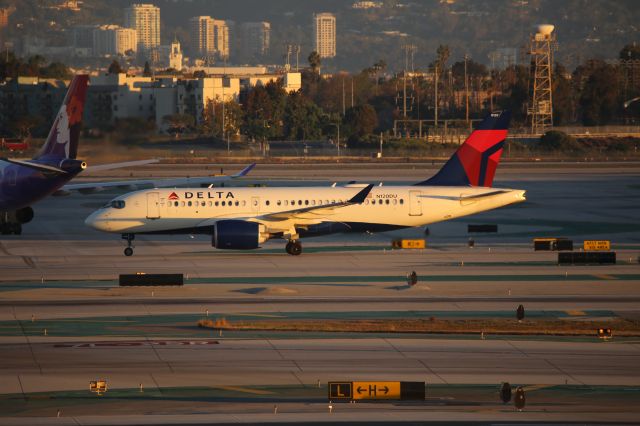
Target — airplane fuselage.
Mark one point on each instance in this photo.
(22, 186)
(195, 210)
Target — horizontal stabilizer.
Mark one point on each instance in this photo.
(36, 166)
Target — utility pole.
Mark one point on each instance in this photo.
(435, 90)
(351, 91)
(466, 88)
(343, 98)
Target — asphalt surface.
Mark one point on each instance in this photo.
(62, 277)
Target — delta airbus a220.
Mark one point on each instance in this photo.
(244, 218)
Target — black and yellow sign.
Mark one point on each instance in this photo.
(376, 391)
(98, 386)
(595, 245)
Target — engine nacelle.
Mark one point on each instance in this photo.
(237, 235)
(24, 215)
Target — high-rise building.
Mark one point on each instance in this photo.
(145, 19)
(324, 34)
(114, 40)
(209, 37)
(256, 38)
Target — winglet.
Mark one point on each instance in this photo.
(244, 171)
(361, 196)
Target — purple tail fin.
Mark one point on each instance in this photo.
(62, 141)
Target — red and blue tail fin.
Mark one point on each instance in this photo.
(62, 141)
(475, 162)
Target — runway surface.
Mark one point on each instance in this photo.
(62, 277)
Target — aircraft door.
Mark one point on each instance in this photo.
(153, 205)
(255, 204)
(415, 203)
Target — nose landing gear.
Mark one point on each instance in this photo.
(129, 250)
(294, 248)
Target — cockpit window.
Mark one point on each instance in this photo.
(116, 204)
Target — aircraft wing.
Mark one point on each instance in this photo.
(133, 184)
(287, 220)
(111, 166)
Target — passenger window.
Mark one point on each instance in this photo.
(176, 204)
(223, 204)
(313, 202)
(387, 201)
(217, 203)
(210, 203)
(401, 201)
(299, 202)
(237, 203)
(306, 202)
(267, 202)
(286, 202)
(189, 203)
(373, 201)
(366, 201)
(279, 202)
(203, 203)
(244, 203)
(182, 204)
(395, 202)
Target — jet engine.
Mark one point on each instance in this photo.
(238, 235)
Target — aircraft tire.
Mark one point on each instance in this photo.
(296, 248)
(128, 251)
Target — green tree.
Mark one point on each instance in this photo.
(630, 51)
(23, 125)
(55, 70)
(600, 99)
(314, 61)
(178, 123)
(147, 70)
(442, 56)
(554, 140)
(302, 118)
(360, 121)
(115, 68)
(563, 101)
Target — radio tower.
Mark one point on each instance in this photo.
(543, 43)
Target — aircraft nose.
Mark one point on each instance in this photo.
(99, 221)
(520, 195)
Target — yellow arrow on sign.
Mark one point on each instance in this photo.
(376, 390)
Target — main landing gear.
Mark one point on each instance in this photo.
(8, 228)
(129, 250)
(294, 247)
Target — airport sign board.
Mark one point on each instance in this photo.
(595, 245)
(373, 390)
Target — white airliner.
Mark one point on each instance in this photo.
(243, 218)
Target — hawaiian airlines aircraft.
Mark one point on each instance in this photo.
(24, 182)
(243, 218)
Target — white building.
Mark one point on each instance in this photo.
(324, 34)
(175, 56)
(109, 40)
(209, 37)
(145, 19)
(256, 39)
